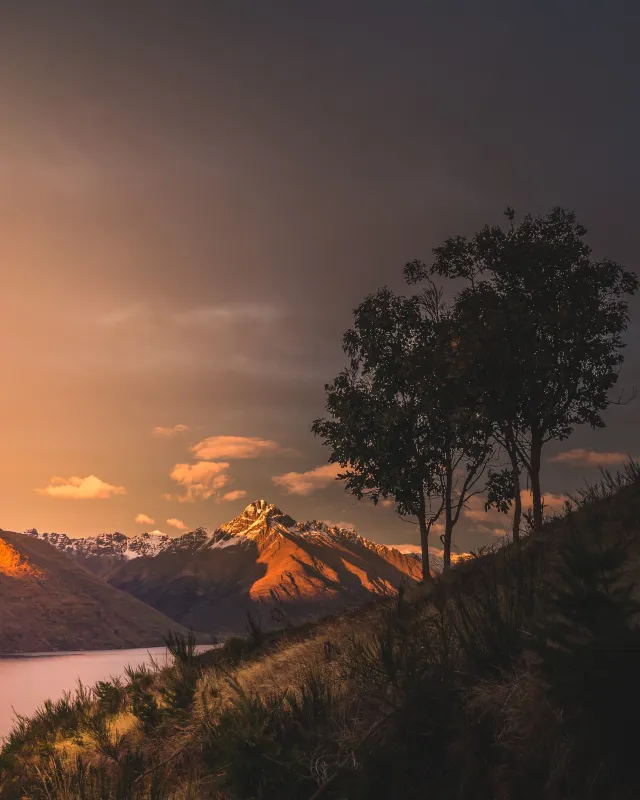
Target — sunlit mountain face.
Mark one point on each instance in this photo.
(49, 602)
(261, 563)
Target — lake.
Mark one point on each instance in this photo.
(27, 680)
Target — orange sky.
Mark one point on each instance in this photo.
(192, 204)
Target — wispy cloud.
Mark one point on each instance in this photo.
(215, 447)
(75, 488)
(552, 502)
(214, 315)
(438, 552)
(492, 521)
(201, 480)
(118, 317)
(305, 483)
(173, 430)
(145, 519)
(589, 458)
(237, 494)
(496, 523)
(177, 523)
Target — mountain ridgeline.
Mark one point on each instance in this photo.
(262, 563)
(48, 602)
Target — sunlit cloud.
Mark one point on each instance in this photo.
(145, 519)
(438, 552)
(387, 502)
(74, 488)
(552, 502)
(237, 494)
(491, 522)
(177, 523)
(305, 483)
(589, 458)
(215, 447)
(201, 480)
(173, 430)
(496, 523)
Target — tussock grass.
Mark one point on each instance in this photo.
(515, 676)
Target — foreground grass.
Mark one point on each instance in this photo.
(514, 677)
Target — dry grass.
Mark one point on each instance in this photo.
(504, 680)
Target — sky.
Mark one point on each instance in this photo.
(194, 197)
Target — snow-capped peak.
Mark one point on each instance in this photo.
(261, 523)
(260, 508)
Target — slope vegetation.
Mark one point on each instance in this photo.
(515, 676)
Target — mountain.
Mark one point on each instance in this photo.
(262, 562)
(102, 554)
(49, 602)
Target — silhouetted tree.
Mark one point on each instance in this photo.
(402, 422)
(541, 324)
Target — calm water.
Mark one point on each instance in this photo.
(26, 681)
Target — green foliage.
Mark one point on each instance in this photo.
(589, 648)
(255, 634)
(180, 681)
(144, 705)
(402, 415)
(494, 611)
(260, 746)
(99, 781)
(541, 325)
(110, 695)
(515, 675)
(234, 649)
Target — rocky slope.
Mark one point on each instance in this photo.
(48, 602)
(262, 562)
(265, 563)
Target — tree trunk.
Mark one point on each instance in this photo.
(448, 520)
(517, 499)
(534, 474)
(424, 537)
(517, 507)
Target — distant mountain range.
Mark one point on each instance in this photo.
(105, 553)
(49, 602)
(263, 562)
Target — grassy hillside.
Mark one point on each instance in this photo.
(516, 677)
(49, 602)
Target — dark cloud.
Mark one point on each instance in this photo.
(196, 195)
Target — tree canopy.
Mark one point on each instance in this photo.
(530, 348)
(542, 323)
(402, 422)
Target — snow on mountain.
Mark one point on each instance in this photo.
(116, 544)
(259, 522)
(263, 562)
